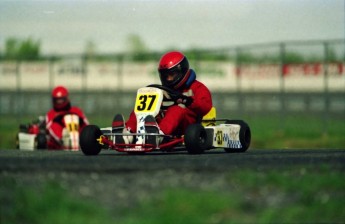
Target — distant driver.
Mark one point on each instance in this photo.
(55, 122)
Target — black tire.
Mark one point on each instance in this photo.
(195, 139)
(17, 141)
(245, 136)
(88, 140)
(41, 141)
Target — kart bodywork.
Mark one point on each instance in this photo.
(232, 135)
(33, 136)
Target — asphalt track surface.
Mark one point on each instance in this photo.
(119, 179)
(213, 160)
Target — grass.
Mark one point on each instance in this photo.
(296, 195)
(297, 132)
(299, 196)
(50, 204)
(267, 131)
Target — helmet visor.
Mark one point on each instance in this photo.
(60, 101)
(170, 77)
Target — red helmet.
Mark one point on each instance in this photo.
(173, 69)
(60, 98)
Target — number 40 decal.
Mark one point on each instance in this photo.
(145, 102)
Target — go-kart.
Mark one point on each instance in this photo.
(231, 135)
(33, 136)
(70, 132)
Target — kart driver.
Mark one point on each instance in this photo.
(175, 73)
(55, 123)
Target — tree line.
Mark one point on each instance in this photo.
(29, 49)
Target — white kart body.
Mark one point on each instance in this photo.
(70, 134)
(225, 136)
(27, 141)
(148, 102)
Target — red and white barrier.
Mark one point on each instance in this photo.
(219, 76)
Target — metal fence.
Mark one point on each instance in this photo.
(281, 78)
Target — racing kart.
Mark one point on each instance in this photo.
(231, 135)
(33, 136)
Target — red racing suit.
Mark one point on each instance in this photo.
(55, 125)
(177, 117)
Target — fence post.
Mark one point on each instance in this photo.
(120, 79)
(238, 79)
(325, 87)
(84, 72)
(282, 52)
(51, 73)
(120, 62)
(17, 107)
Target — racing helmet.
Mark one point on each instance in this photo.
(173, 69)
(60, 98)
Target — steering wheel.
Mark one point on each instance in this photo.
(172, 93)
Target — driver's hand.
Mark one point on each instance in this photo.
(186, 100)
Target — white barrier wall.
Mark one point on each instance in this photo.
(218, 76)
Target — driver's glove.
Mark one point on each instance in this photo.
(186, 100)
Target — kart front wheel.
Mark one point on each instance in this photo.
(245, 136)
(195, 139)
(88, 140)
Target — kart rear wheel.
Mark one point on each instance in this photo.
(41, 141)
(195, 139)
(88, 140)
(245, 136)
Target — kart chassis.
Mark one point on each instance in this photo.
(232, 135)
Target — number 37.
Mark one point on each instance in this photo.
(145, 102)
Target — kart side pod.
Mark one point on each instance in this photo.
(233, 136)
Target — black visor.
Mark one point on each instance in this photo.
(60, 100)
(171, 77)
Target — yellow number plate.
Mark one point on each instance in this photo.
(146, 103)
(72, 122)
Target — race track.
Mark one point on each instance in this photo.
(213, 160)
(120, 179)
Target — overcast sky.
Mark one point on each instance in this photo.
(64, 26)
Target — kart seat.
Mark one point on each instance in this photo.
(210, 118)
